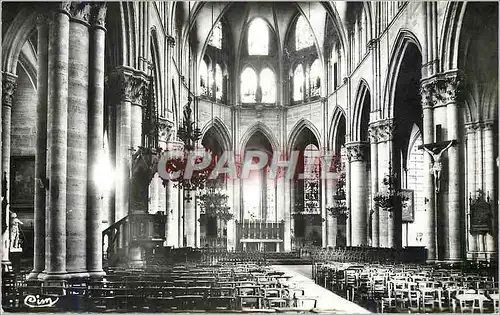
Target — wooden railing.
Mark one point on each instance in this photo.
(261, 230)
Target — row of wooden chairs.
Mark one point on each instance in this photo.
(409, 287)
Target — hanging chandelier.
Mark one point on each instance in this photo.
(390, 198)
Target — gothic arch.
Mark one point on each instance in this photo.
(221, 131)
(296, 130)
(16, 36)
(266, 131)
(338, 115)
(450, 34)
(404, 38)
(362, 92)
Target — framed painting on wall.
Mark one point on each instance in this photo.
(22, 182)
(408, 211)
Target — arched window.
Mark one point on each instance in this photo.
(248, 85)
(204, 84)
(315, 78)
(268, 86)
(218, 82)
(298, 83)
(258, 38)
(216, 38)
(303, 34)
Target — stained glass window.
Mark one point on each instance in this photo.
(216, 38)
(315, 78)
(204, 84)
(218, 82)
(258, 38)
(268, 85)
(298, 83)
(248, 85)
(303, 34)
(311, 181)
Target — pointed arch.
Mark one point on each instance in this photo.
(333, 132)
(265, 130)
(362, 93)
(404, 38)
(296, 130)
(16, 36)
(450, 34)
(220, 131)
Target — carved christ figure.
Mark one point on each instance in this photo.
(436, 167)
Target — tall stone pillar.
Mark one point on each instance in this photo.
(180, 220)
(190, 218)
(471, 179)
(449, 96)
(77, 146)
(95, 138)
(127, 86)
(41, 145)
(373, 131)
(358, 159)
(57, 144)
(8, 88)
(489, 178)
(429, 237)
(286, 186)
(331, 221)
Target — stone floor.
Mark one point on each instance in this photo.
(327, 300)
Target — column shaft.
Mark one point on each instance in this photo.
(41, 147)
(429, 237)
(55, 240)
(383, 165)
(77, 122)
(189, 218)
(454, 196)
(489, 177)
(374, 186)
(471, 180)
(8, 89)
(95, 141)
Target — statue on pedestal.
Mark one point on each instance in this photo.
(14, 231)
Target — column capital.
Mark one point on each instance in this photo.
(442, 89)
(357, 151)
(373, 133)
(62, 7)
(80, 11)
(383, 129)
(9, 85)
(98, 12)
(127, 84)
(170, 40)
(164, 130)
(488, 124)
(470, 128)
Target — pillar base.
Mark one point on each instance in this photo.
(77, 275)
(53, 276)
(96, 274)
(33, 275)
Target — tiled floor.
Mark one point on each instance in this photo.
(327, 300)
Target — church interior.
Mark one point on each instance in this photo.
(187, 156)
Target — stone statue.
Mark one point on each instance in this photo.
(437, 165)
(14, 231)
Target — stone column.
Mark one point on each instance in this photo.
(128, 89)
(331, 221)
(471, 179)
(387, 224)
(57, 144)
(454, 209)
(374, 182)
(429, 237)
(8, 89)
(489, 177)
(95, 138)
(189, 218)
(358, 156)
(77, 132)
(285, 185)
(41, 146)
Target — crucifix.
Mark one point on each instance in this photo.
(436, 151)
